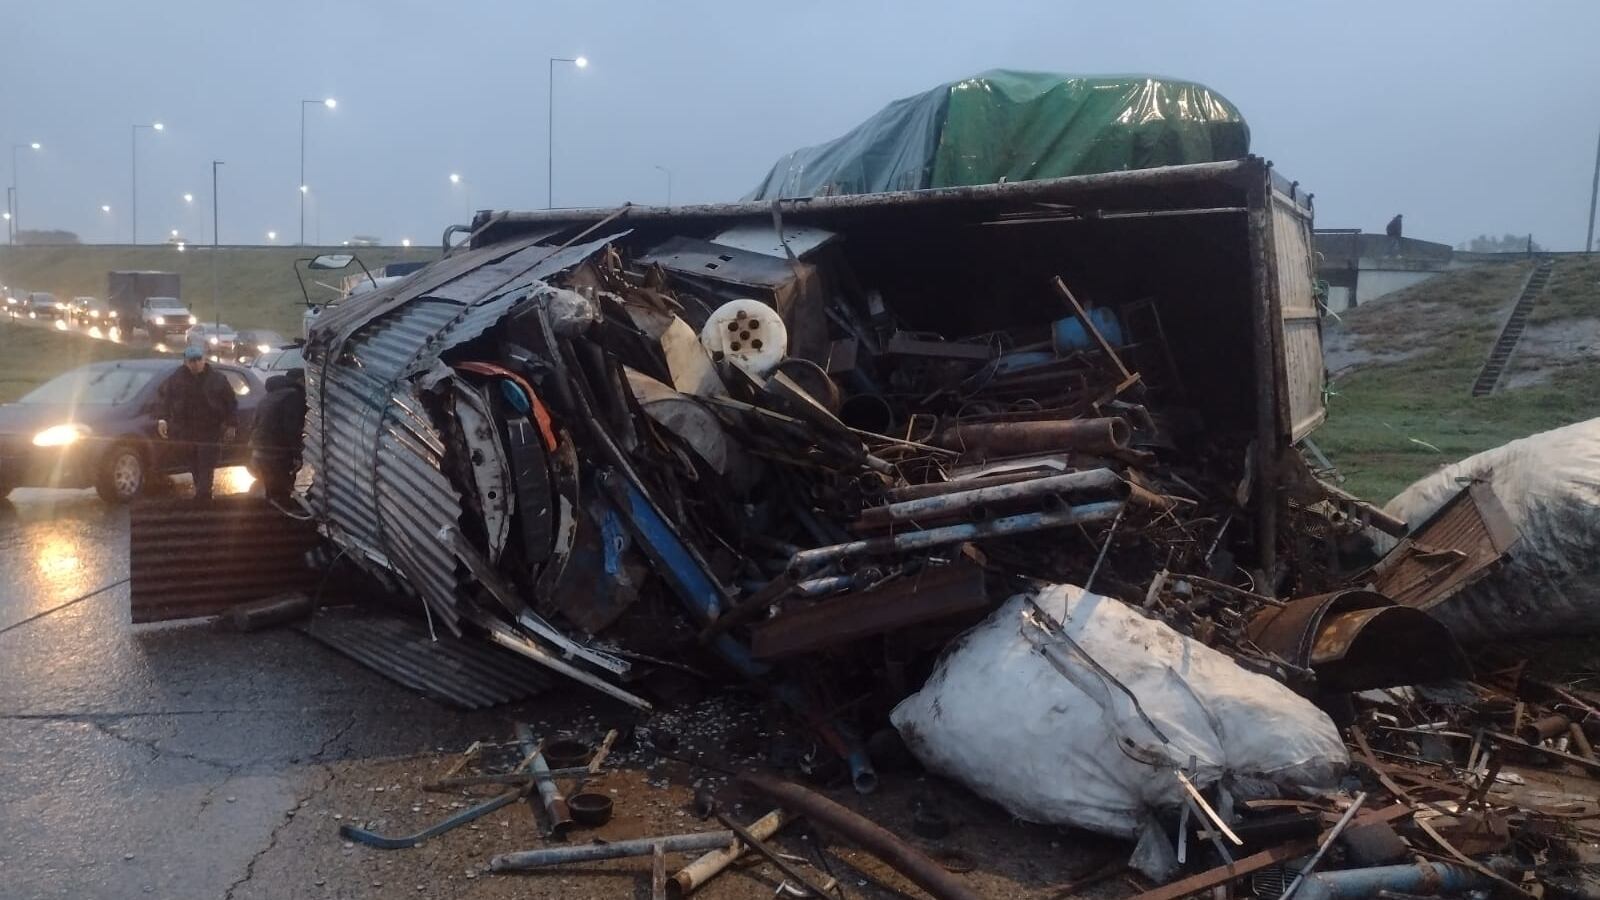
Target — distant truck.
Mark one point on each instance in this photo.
(163, 318)
(126, 293)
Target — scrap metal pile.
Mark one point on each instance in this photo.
(606, 459)
(738, 451)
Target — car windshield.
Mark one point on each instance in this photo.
(101, 385)
(290, 358)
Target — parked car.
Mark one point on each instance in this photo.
(164, 317)
(95, 426)
(43, 306)
(254, 342)
(220, 342)
(13, 306)
(87, 311)
(276, 362)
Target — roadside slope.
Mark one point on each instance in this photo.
(1402, 372)
(256, 286)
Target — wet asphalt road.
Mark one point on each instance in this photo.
(162, 760)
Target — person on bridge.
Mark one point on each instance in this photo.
(198, 414)
(278, 435)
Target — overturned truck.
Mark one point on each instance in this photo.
(808, 442)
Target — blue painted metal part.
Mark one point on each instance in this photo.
(1356, 884)
(1069, 334)
(694, 586)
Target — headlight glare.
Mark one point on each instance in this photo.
(60, 435)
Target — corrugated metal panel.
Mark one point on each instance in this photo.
(379, 489)
(469, 673)
(188, 559)
(1464, 541)
(1302, 329)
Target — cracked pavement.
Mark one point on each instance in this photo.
(163, 760)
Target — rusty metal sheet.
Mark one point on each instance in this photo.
(189, 559)
(924, 597)
(467, 672)
(1470, 536)
(1356, 640)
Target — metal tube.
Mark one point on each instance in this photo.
(902, 857)
(919, 491)
(946, 504)
(1431, 878)
(1333, 835)
(523, 860)
(301, 187)
(555, 805)
(687, 879)
(952, 534)
(1048, 436)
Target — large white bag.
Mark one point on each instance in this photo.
(1549, 484)
(1068, 746)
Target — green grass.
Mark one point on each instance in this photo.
(30, 356)
(1391, 423)
(256, 286)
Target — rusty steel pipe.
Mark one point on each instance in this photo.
(1544, 729)
(1049, 436)
(901, 856)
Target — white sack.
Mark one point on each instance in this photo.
(1071, 749)
(1549, 484)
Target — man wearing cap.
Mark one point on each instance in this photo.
(198, 413)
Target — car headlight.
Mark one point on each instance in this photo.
(213, 341)
(11, 301)
(193, 321)
(62, 306)
(263, 348)
(161, 320)
(61, 324)
(112, 314)
(94, 313)
(60, 435)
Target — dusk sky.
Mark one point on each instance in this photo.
(1467, 117)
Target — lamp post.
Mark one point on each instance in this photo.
(669, 183)
(133, 153)
(216, 312)
(13, 203)
(550, 131)
(329, 103)
(1594, 192)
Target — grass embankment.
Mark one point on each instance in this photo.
(1410, 410)
(30, 356)
(256, 286)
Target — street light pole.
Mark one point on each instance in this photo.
(1594, 191)
(330, 103)
(550, 129)
(216, 312)
(133, 153)
(669, 183)
(14, 200)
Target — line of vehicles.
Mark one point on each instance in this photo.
(95, 426)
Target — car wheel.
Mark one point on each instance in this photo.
(121, 476)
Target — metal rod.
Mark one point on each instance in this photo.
(945, 504)
(1327, 842)
(899, 855)
(1038, 436)
(788, 868)
(301, 187)
(687, 879)
(523, 860)
(952, 534)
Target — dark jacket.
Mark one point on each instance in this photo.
(198, 407)
(280, 418)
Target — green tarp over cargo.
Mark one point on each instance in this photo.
(1017, 126)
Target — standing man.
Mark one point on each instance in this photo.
(277, 439)
(198, 413)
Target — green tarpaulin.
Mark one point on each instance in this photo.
(1017, 126)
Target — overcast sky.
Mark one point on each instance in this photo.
(1468, 117)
